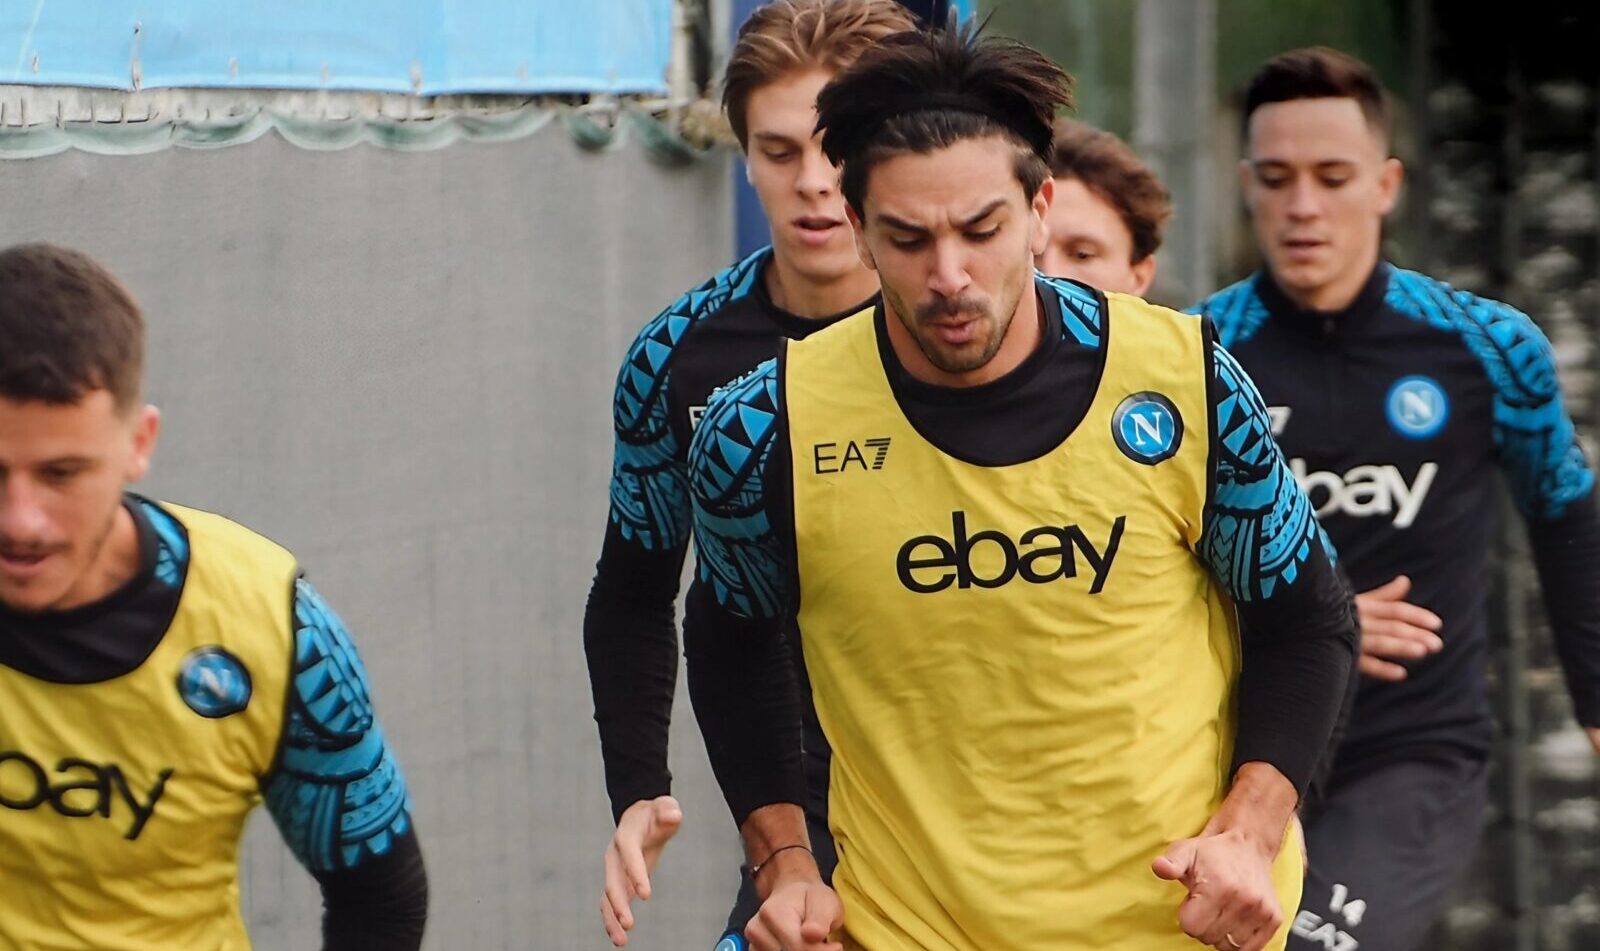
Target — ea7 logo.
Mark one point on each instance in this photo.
(1311, 927)
(868, 454)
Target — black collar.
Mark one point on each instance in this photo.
(791, 325)
(1329, 324)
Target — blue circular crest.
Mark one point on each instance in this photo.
(731, 942)
(214, 683)
(1147, 428)
(1417, 407)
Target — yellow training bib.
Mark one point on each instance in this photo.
(1026, 674)
(124, 801)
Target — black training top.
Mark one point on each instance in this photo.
(1395, 413)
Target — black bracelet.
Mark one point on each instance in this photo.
(756, 868)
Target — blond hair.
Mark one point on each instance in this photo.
(786, 36)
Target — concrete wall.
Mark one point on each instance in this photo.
(400, 366)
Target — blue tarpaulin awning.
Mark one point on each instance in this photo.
(429, 47)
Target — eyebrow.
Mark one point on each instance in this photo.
(69, 462)
(901, 225)
(773, 137)
(1325, 163)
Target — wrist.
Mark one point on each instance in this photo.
(1258, 808)
(788, 865)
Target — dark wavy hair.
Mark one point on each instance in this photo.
(921, 91)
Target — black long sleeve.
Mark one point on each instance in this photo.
(742, 675)
(380, 905)
(1566, 551)
(1298, 676)
(630, 639)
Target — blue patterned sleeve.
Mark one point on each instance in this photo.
(649, 496)
(737, 550)
(337, 796)
(1260, 530)
(1534, 436)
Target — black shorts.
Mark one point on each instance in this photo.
(1385, 849)
(747, 904)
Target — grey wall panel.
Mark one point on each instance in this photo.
(400, 366)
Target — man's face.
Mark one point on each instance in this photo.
(1090, 242)
(62, 473)
(797, 185)
(1318, 183)
(953, 237)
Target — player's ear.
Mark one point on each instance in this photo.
(1040, 239)
(859, 232)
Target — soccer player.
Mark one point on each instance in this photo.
(163, 670)
(1397, 397)
(1011, 519)
(808, 278)
(1108, 212)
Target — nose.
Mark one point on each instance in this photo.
(818, 178)
(22, 516)
(949, 276)
(1305, 199)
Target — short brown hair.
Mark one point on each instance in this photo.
(784, 36)
(921, 91)
(69, 327)
(1318, 72)
(1109, 168)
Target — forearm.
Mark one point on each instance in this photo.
(1566, 551)
(381, 905)
(1298, 661)
(742, 683)
(630, 640)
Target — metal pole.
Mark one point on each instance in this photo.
(1174, 100)
(1519, 784)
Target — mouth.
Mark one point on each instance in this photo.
(20, 564)
(816, 229)
(1303, 247)
(955, 332)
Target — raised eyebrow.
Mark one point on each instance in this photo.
(988, 210)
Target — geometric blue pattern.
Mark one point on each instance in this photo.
(1260, 530)
(649, 497)
(1533, 436)
(1081, 317)
(734, 542)
(1236, 311)
(338, 796)
(172, 545)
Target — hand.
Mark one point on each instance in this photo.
(643, 831)
(798, 915)
(1394, 628)
(1232, 904)
(1594, 737)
